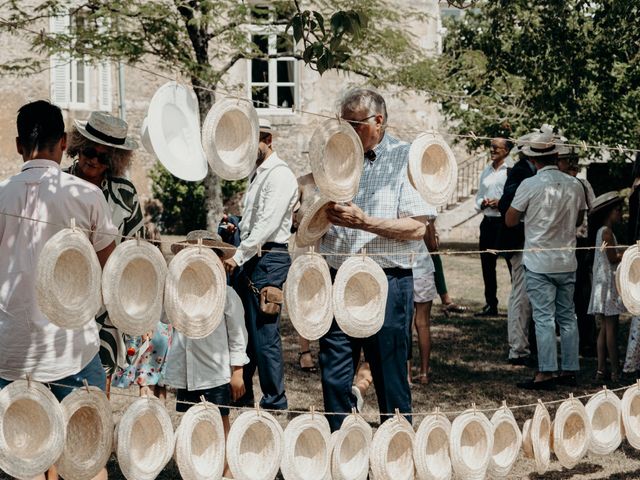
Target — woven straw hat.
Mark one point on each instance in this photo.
(536, 438)
(431, 448)
(307, 448)
(68, 280)
(337, 158)
(89, 434)
(133, 286)
(230, 138)
(105, 129)
(631, 415)
(195, 292)
(629, 280)
(254, 446)
(360, 296)
(471, 444)
(314, 223)
(432, 169)
(392, 450)
(350, 452)
(208, 239)
(32, 429)
(604, 413)
(145, 439)
(571, 432)
(507, 441)
(199, 451)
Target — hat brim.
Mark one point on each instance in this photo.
(432, 169)
(431, 447)
(526, 150)
(541, 428)
(604, 410)
(392, 449)
(606, 204)
(129, 143)
(571, 450)
(307, 447)
(472, 461)
(222, 249)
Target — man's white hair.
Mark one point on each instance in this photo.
(364, 99)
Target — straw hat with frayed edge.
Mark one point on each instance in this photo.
(68, 278)
(105, 129)
(360, 292)
(254, 446)
(536, 438)
(350, 452)
(431, 448)
(145, 439)
(89, 434)
(200, 444)
(133, 286)
(392, 450)
(629, 279)
(604, 413)
(432, 169)
(605, 200)
(32, 429)
(207, 239)
(230, 136)
(314, 223)
(542, 144)
(337, 158)
(507, 441)
(307, 294)
(571, 432)
(471, 444)
(631, 415)
(195, 292)
(307, 448)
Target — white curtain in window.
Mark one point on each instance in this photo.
(105, 94)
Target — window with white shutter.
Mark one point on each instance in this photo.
(105, 94)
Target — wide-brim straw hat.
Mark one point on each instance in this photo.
(631, 415)
(254, 446)
(307, 448)
(542, 144)
(195, 292)
(604, 410)
(145, 139)
(314, 223)
(571, 432)
(431, 448)
(105, 129)
(536, 438)
(68, 280)
(89, 434)
(133, 286)
(507, 440)
(432, 169)
(350, 452)
(360, 292)
(605, 200)
(145, 439)
(32, 429)
(337, 158)
(174, 131)
(206, 239)
(230, 136)
(471, 444)
(392, 450)
(200, 444)
(629, 279)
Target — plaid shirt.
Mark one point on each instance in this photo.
(384, 192)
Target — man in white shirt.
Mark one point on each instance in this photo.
(265, 225)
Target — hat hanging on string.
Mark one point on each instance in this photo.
(471, 444)
(307, 448)
(536, 438)
(604, 410)
(507, 440)
(392, 450)
(431, 448)
(571, 432)
(350, 449)
(628, 274)
(631, 415)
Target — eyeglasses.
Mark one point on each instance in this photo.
(91, 152)
(357, 123)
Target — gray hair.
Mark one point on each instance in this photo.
(365, 99)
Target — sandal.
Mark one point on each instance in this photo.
(422, 379)
(600, 377)
(310, 369)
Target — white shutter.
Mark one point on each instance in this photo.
(105, 94)
(60, 66)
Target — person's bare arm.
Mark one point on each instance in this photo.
(613, 254)
(103, 255)
(513, 217)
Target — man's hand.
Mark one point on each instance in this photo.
(237, 384)
(230, 265)
(491, 203)
(349, 215)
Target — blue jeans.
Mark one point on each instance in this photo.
(551, 296)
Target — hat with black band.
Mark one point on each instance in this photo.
(543, 144)
(105, 129)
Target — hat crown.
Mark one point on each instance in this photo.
(109, 125)
(265, 124)
(196, 235)
(542, 140)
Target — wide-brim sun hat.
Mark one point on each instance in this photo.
(254, 446)
(604, 410)
(629, 279)
(571, 432)
(89, 434)
(230, 136)
(350, 452)
(631, 415)
(392, 450)
(68, 280)
(174, 131)
(536, 438)
(507, 440)
(337, 158)
(360, 291)
(32, 429)
(431, 448)
(207, 239)
(541, 144)
(471, 444)
(105, 129)
(605, 200)
(133, 286)
(307, 448)
(314, 223)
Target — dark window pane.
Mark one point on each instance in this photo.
(284, 44)
(260, 97)
(260, 12)
(262, 42)
(259, 70)
(285, 71)
(285, 97)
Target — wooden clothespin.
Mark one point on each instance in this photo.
(475, 409)
(606, 392)
(338, 118)
(138, 238)
(364, 254)
(621, 149)
(259, 247)
(86, 385)
(28, 380)
(313, 412)
(412, 259)
(603, 247)
(473, 135)
(398, 417)
(584, 145)
(312, 249)
(199, 245)
(257, 407)
(72, 223)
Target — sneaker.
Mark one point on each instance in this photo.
(359, 399)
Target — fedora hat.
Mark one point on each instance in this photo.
(144, 137)
(471, 444)
(536, 438)
(604, 411)
(507, 441)
(314, 223)
(360, 296)
(200, 445)
(209, 239)
(631, 415)
(307, 293)
(105, 129)
(195, 292)
(350, 452)
(32, 429)
(265, 125)
(89, 440)
(541, 144)
(230, 138)
(629, 279)
(392, 450)
(174, 131)
(68, 278)
(605, 200)
(431, 448)
(432, 168)
(571, 432)
(307, 448)
(133, 286)
(254, 446)
(337, 158)
(523, 141)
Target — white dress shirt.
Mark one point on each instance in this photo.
(491, 186)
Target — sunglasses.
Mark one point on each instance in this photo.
(357, 123)
(91, 152)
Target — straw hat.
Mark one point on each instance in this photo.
(89, 434)
(105, 129)
(605, 200)
(230, 138)
(541, 144)
(536, 438)
(431, 448)
(209, 239)
(254, 446)
(604, 413)
(145, 439)
(68, 280)
(629, 279)
(350, 452)
(471, 444)
(307, 448)
(571, 432)
(360, 296)
(507, 441)
(199, 450)
(432, 169)
(392, 450)
(631, 415)
(32, 429)
(174, 131)
(133, 286)
(314, 223)
(337, 157)
(195, 292)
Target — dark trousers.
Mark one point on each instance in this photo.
(264, 347)
(386, 352)
(586, 323)
(438, 275)
(490, 229)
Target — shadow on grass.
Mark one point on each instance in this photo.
(580, 469)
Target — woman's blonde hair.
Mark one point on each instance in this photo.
(119, 159)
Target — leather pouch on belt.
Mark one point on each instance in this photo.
(271, 299)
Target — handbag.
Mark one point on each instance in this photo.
(271, 298)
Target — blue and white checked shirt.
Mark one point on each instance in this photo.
(384, 192)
